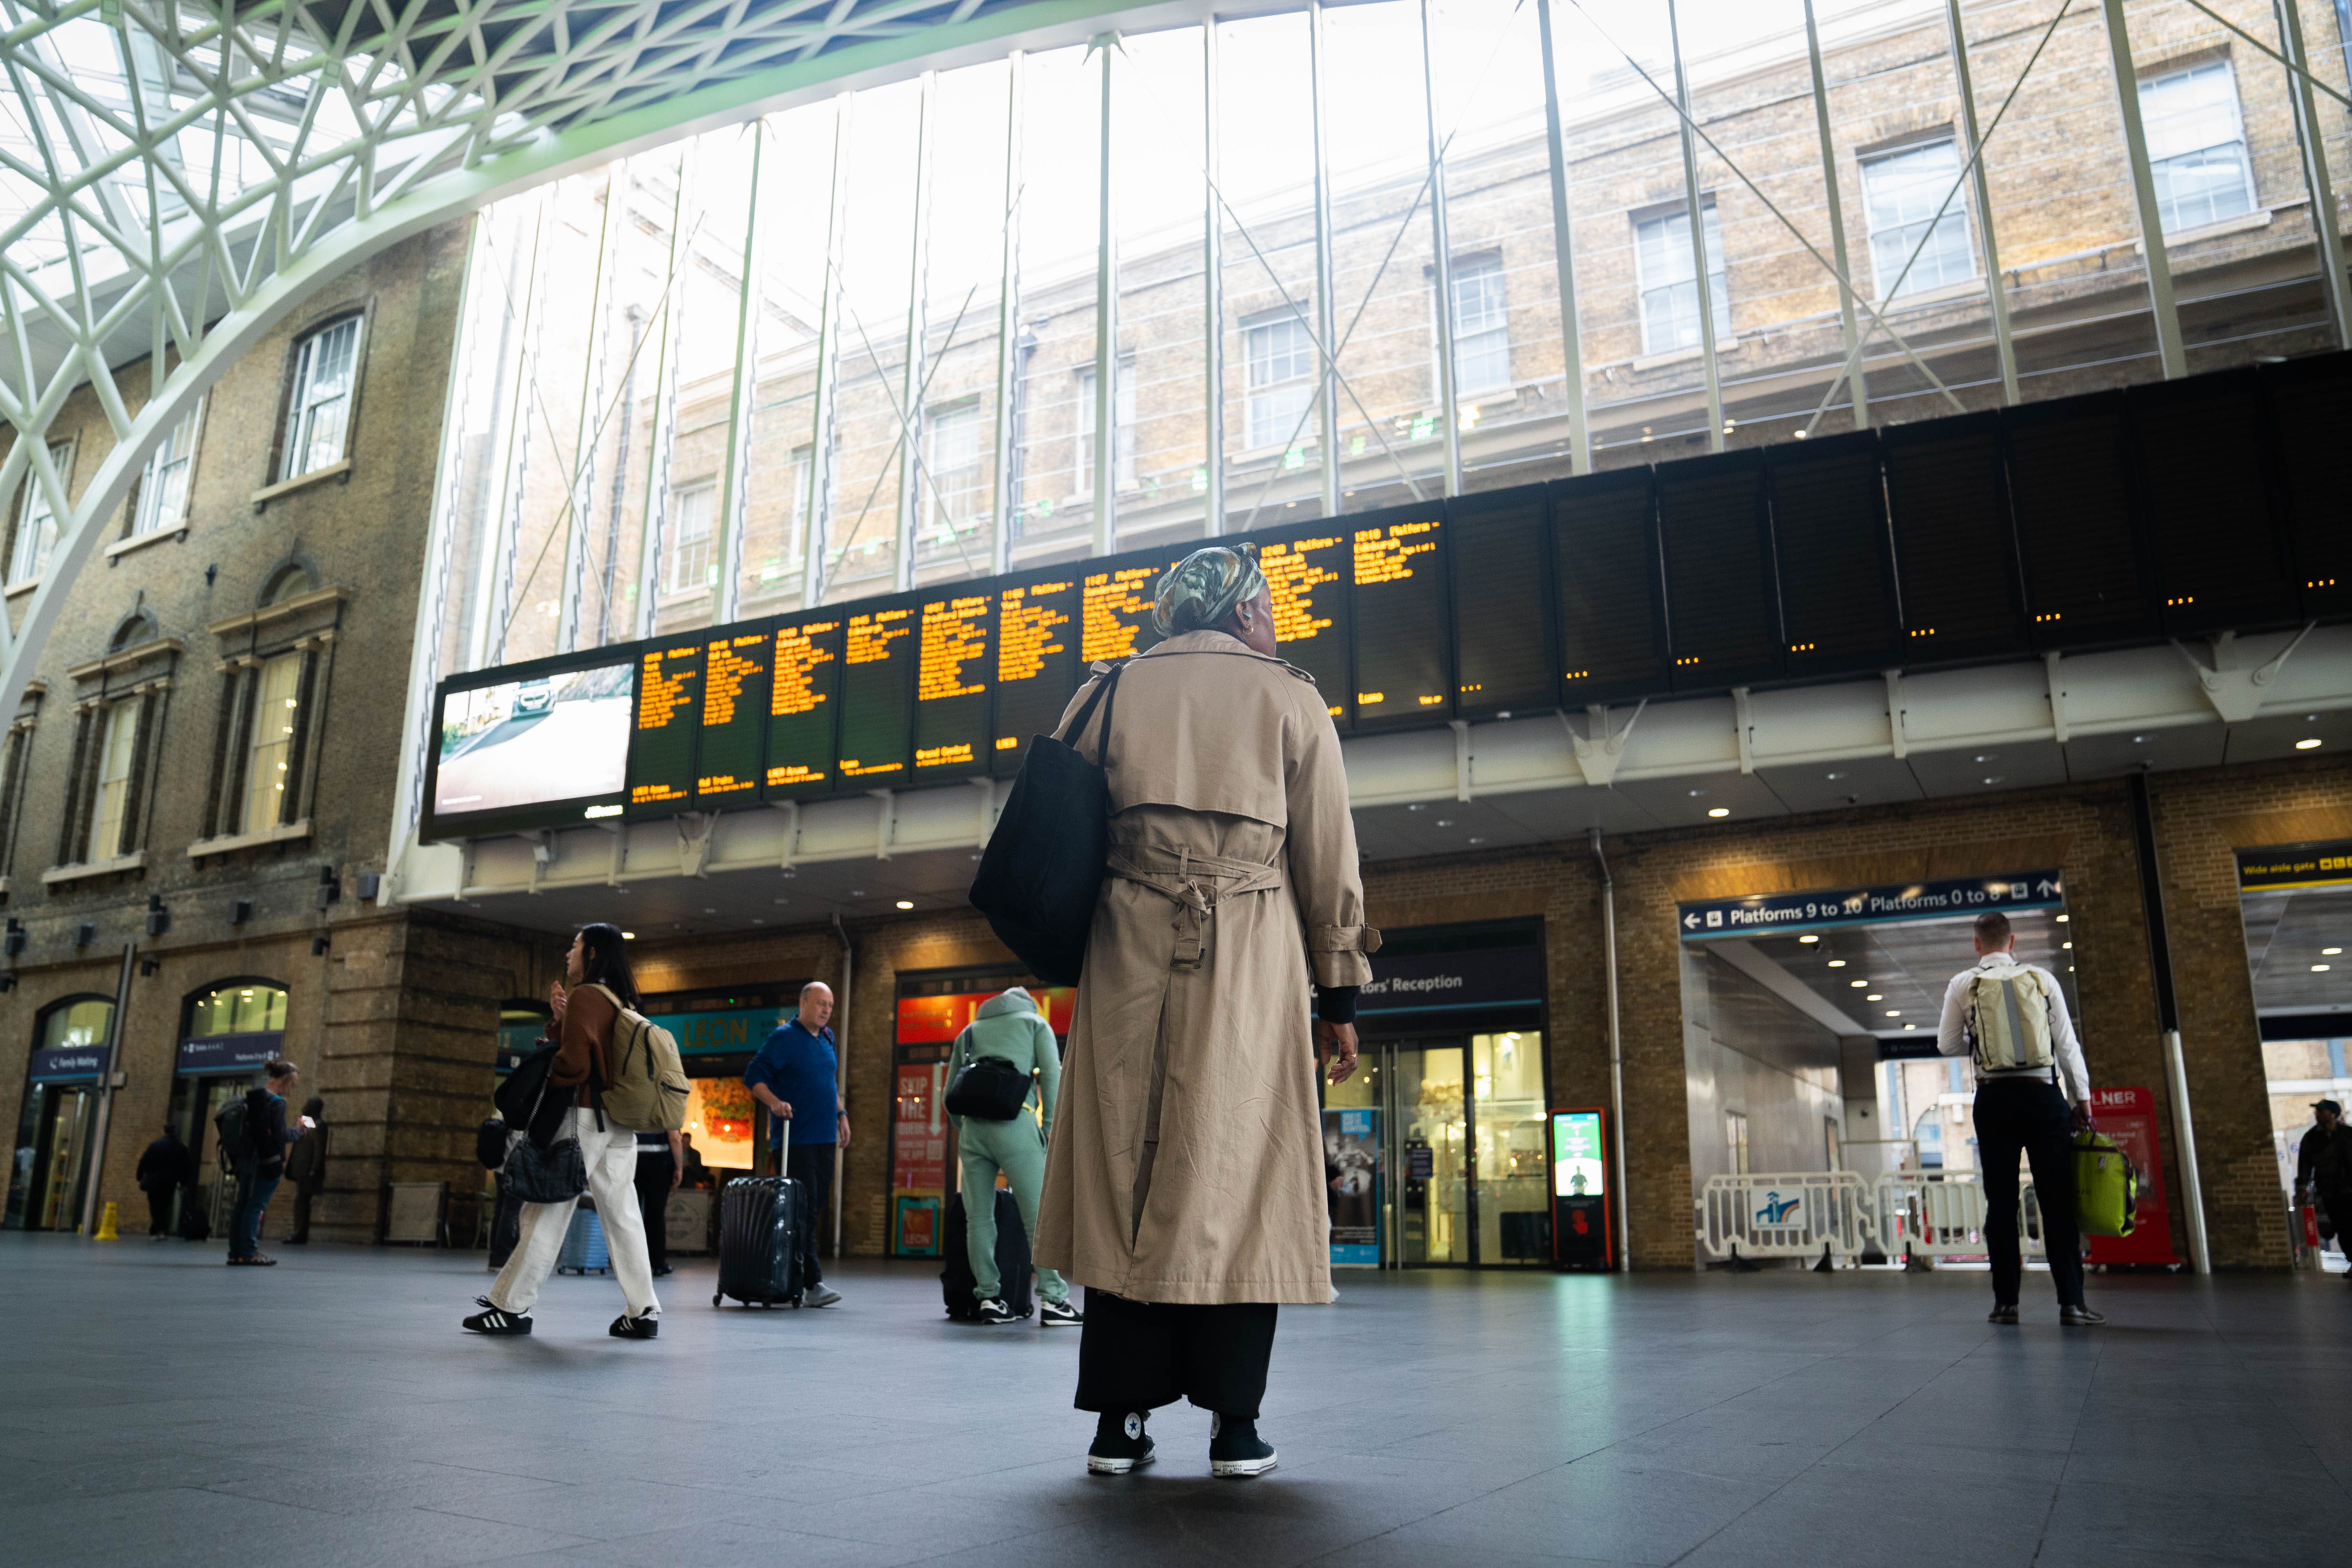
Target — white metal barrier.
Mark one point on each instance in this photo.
(1921, 1214)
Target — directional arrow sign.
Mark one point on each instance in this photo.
(1953, 897)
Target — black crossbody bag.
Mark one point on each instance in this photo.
(1043, 869)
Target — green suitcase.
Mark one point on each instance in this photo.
(2107, 1188)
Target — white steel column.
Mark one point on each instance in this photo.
(1106, 453)
(911, 411)
(1326, 345)
(1996, 299)
(815, 574)
(2169, 348)
(1837, 220)
(1213, 267)
(1697, 240)
(1008, 323)
(1571, 337)
(665, 421)
(1449, 413)
(2312, 140)
(734, 479)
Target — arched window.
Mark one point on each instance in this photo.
(233, 1025)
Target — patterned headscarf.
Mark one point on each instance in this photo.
(1200, 591)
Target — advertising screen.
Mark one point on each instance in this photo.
(804, 678)
(530, 745)
(1577, 1168)
(952, 668)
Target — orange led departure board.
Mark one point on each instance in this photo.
(1036, 664)
(1307, 571)
(734, 717)
(661, 748)
(1403, 619)
(951, 685)
(1117, 621)
(878, 692)
(805, 661)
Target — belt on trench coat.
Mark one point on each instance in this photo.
(1195, 884)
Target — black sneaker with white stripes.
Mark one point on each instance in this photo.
(1235, 1450)
(624, 1327)
(1059, 1315)
(496, 1320)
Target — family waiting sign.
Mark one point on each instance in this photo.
(1952, 897)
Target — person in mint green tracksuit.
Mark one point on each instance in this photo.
(1009, 1026)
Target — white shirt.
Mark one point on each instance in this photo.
(1952, 1040)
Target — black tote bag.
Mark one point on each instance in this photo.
(1043, 869)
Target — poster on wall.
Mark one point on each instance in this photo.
(1351, 1181)
(919, 1160)
(2127, 1116)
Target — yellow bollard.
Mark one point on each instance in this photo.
(106, 1231)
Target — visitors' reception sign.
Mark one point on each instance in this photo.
(1762, 914)
(2127, 1116)
(2295, 865)
(1412, 982)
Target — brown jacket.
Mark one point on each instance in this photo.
(586, 1042)
(1187, 1159)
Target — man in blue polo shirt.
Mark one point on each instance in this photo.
(797, 1076)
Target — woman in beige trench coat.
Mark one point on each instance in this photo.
(1184, 1182)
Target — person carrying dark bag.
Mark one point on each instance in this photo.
(164, 1167)
(260, 1160)
(306, 1167)
(2323, 1170)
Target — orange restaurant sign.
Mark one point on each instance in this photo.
(925, 1020)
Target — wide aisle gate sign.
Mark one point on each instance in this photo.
(1952, 897)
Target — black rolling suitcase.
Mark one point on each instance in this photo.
(1012, 1260)
(760, 1222)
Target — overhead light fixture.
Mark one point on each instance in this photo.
(1987, 756)
(2319, 969)
(2330, 951)
(2067, 946)
(2311, 744)
(1873, 996)
(1475, 838)
(1857, 984)
(1444, 822)
(2060, 919)
(629, 936)
(1718, 811)
(1809, 939)
(906, 903)
(1996, 778)
(1910, 1025)
(1835, 777)
(1837, 963)
(1895, 1011)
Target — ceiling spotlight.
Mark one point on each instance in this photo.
(906, 903)
(629, 936)
(1475, 838)
(1910, 1025)
(1809, 939)
(2142, 739)
(2307, 745)
(1697, 793)
(1414, 806)
(2060, 919)
(2319, 969)
(710, 912)
(1444, 822)
(1895, 1011)
(1858, 984)
(1987, 756)
(1873, 996)
(1835, 777)
(1837, 963)
(1718, 811)
(1996, 778)
(856, 892)
(2330, 951)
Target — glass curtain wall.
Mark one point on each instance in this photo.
(852, 347)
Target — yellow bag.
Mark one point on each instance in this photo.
(2107, 1188)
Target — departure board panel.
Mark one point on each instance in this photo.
(1037, 633)
(879, 651)
(735, 667)
(2200, 455)
(1501, 641)
(2310, 407)
(1956, 558)
(669, 714)
(1613, 627)
(1829, 525)
(1117, 622)
(2071, 477)
(1723, 624)
(1403, 675)
(804, 667)
(1306, 573)
(951, 673)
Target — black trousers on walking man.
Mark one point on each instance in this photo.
(2028, 1114)
(810, 1164)
(654, 1167)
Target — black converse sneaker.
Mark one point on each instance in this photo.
(496, 1319)
(1119, 1445)
(1058, 1315)
(993, 1311)
(624, 1327)
(1235, 1451)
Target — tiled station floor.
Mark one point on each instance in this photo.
(156, 1408)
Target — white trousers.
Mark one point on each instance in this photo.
(612, 1158)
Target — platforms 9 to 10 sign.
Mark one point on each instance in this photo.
(951, 683)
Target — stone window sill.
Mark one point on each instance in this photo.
(1915, 299)
(141, 540)
(58, 876)
(2260, 217)
(283, 832)
(1683, 356)
(267, 493)
(19, 589)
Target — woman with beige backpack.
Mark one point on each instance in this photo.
(611, 1061)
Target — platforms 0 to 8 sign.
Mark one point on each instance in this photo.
(734, 718)
(805, 681)
(661, 750)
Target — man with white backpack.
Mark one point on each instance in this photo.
(2013, 1018)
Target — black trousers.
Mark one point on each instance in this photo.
(654, 1166)
(303, 1193)
(1138, 1355)
(810, 1164)
(2029, 1115)
(158, 1211)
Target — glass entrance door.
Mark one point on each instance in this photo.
(60, 1153)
